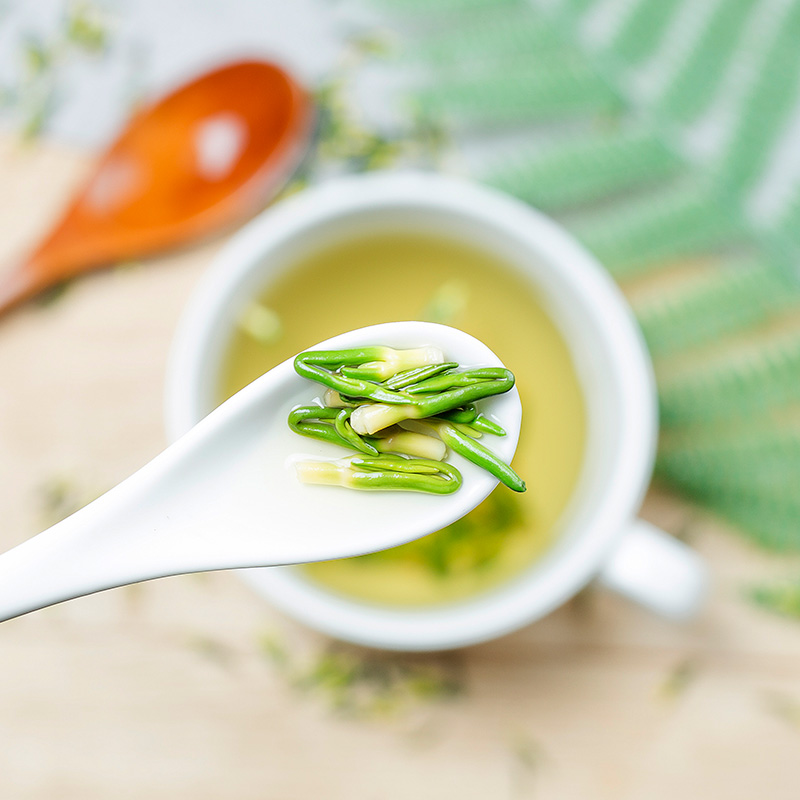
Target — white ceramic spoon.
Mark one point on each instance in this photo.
(223, 496)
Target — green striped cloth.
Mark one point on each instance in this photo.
(658, 139)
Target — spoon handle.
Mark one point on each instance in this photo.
(182, 512)
(54, 566)
(17, 284)
(122, 537)
(165, 519)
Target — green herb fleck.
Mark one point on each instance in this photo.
(274, 649)
(370, 43)
(365, 685)
(212, 649)
(55, 293)
(784, 707)
(472, 543)
(261, 324)
(38, 56)
(343, 138)
(60, 496)
(85, 27)
(526, 751)
(781, 597)
(448, 302)
(528, 757)
(33, 96)
(678, 679)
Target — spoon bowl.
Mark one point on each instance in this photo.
(224, 496)
(193, 162)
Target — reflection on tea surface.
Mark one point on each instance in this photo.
(394, 276)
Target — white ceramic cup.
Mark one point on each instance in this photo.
(599, 536)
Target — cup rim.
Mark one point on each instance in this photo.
(521, 600)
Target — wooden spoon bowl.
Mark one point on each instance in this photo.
(196, 161)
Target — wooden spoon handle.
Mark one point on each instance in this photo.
(20, 283)
(46, 267)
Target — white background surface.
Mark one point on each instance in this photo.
(154, 44)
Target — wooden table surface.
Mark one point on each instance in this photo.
(167, 689)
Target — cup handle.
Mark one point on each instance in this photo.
(657, 571)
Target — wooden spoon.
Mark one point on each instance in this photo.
(196, 161)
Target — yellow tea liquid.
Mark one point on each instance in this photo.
(391, 277)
